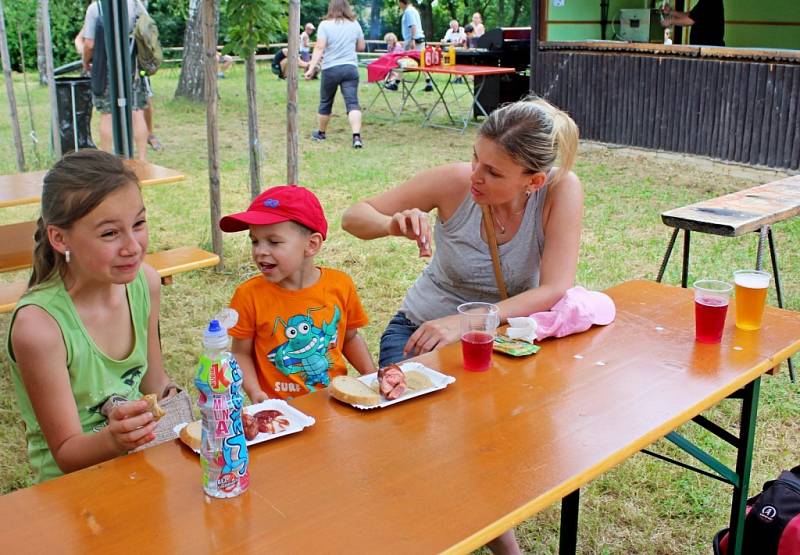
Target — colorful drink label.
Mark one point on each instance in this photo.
(223, 453)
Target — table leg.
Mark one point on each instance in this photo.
(568, 536)
(685, 269)
(778, 291)
(744, 460)
(667, 254)
(439, 100)
(408, 92)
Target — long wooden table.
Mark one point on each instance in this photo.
(26, 188)
(444, 472)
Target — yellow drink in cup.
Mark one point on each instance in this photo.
(751, 294)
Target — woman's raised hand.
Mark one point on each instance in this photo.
(432, 335)
(131, 425)
(415, 225)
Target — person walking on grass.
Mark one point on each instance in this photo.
(339, 37)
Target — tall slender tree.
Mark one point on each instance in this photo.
(254, 22)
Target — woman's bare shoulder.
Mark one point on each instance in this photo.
(34, 328)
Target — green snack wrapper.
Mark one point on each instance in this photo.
(514, 347)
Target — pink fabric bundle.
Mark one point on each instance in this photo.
(381, 67)
(577, 311)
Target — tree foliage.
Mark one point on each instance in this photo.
(254, 22)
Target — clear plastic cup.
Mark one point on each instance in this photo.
(478, 322)
(711, 298)
(751, 295)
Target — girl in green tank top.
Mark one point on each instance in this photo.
(86, 329)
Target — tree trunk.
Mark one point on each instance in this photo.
(191, 82)
(12, 100)
(40, 63)
(375, 27)
(517, 11)
(252, 127)
(292, 139)
(426, 15)
(501, 12)
(208, 21)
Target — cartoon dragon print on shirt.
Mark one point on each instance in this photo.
(306, 350)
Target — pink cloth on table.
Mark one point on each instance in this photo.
(381, 67)
(577, 311)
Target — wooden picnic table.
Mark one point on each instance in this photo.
(444, 472)
(26, 188)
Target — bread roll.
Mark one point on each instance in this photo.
(152, 406)
(350, 390)
(192, 434)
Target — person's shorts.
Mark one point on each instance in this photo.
(305, 56)
(139, 92)
(345, 77)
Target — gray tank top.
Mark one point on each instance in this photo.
(461, 269)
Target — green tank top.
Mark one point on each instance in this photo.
(93, 376)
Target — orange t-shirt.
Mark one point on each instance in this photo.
(297, 335)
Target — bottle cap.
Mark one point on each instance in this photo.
(215, 336)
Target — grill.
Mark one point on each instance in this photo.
(501, 47)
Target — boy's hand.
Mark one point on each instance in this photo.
(257, 396)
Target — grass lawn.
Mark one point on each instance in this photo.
(643, 505)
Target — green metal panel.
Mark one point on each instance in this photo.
(759, 34)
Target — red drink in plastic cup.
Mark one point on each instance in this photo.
(709, 318)
(478, 323)
(710, 307)
(476, 346)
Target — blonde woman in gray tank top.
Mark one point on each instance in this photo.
(536, 211)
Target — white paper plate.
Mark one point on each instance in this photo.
(297, 420)
(440, 381)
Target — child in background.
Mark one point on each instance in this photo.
(392, 47)
(85, 333)
(297, 321)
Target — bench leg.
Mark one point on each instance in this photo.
(664, 262)
(685, 269)
(778, 290)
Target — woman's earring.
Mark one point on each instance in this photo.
(66, 256)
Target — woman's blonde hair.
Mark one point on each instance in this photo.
(534, 133)
(74, 186)
(339, 9)
(390, 37)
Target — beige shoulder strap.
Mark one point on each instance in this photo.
(491, 238)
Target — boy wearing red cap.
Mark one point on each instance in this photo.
(297, 321)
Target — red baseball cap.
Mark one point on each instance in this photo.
(280, 204)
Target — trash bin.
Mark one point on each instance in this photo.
(74, 99)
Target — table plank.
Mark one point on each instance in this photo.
(443, 472)
(26, 188)
(16, 245)
(740, 212)
(464, 70)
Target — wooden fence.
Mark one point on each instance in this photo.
(742, 107)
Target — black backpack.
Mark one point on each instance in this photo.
(772, 524)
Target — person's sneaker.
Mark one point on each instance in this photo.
(390, 86)
(317, 135)
(357, 143)
(428, 88)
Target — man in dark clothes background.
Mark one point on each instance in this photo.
(707, 20)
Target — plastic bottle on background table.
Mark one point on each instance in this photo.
(223, 449)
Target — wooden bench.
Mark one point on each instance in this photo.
(166, 263)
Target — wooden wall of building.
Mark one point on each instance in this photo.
(738, 110)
